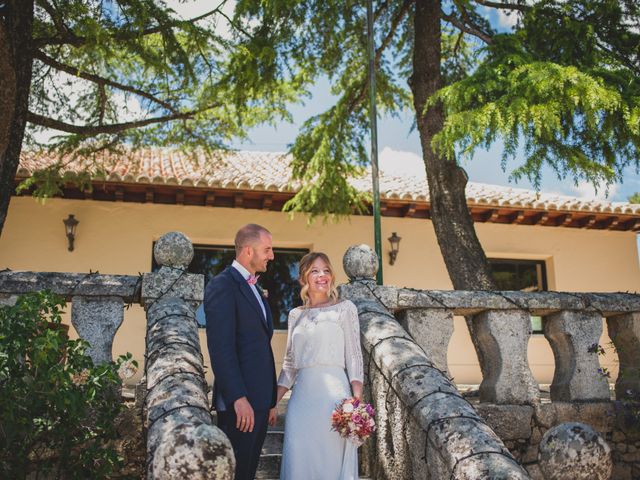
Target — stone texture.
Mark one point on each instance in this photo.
(574, 451)
(411, 395)
(173, 249)
(182, 441)
(172, 283)
(97, 319)
(624, 331)
(195, 451)
(576, 377)
(68, 285)
(360, 261)
(432, 330)
(503, 337)
(463, 302)
(510, 422)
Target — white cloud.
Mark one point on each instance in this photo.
(398, 162)
(588, 191)
(195, 8)
(507, 19)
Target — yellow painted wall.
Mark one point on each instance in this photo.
(117, 238)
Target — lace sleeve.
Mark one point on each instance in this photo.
(352, 349)
(287, 375)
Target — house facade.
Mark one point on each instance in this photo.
(535, 241)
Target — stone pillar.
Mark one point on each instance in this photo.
(97, 319)
(182, 441)
(503, 338)
(577, 377)
(624, 331)
(432, 330)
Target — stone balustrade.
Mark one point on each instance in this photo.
(404, 356)
(500, 327)
(97, 301)
(425, 428)
(182, 441)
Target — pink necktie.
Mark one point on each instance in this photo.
(253, 279)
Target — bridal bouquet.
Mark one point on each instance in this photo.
(353, 420)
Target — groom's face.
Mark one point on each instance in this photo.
(261, 253)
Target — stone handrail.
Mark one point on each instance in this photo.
(97, 301)
(426, 429)
(182, 441)
(499, 323)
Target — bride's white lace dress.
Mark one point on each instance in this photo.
(323, 356)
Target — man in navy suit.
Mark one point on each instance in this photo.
(239, 331)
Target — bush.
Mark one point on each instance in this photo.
(57, 409)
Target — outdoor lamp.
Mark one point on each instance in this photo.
(394, 240)
(70, 224)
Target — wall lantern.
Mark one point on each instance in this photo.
(70, 224)
(394, 240)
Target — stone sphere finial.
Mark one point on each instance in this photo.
(360, 261)
(174, 249)
(574, 451)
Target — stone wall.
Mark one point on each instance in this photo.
(521, 427)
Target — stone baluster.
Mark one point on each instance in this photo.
(624, 331)
(97, 319)
(572, 335)
(432, 329)
(502, 338)
(182, 441)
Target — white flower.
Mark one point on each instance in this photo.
(348, 408)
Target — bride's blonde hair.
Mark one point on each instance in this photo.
(303, 273)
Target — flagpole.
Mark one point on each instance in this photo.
(374, 140)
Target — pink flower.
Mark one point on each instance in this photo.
(353, 420)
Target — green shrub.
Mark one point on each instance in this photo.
(57, 409)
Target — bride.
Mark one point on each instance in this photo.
(323, 341)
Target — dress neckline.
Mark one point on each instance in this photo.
(324, 306)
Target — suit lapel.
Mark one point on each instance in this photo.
(250, 296)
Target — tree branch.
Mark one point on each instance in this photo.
(402, 12)
(90, 130)
(504, 5)
(76, 72)
(462, 26)
(67, 37)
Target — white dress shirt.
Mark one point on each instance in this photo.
(245, 274)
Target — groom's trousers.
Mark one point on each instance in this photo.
(246, 445)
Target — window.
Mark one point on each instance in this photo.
(280, 280)
(522, 275)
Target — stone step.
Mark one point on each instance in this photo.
(269, 466)
(273, 443)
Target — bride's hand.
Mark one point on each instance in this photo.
(356, 388)
(273, 416)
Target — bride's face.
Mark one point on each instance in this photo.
(319, 278)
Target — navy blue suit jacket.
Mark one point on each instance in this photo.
(239, 342)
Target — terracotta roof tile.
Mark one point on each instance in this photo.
(270, 171)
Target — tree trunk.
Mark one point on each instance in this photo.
(16, 21)
(461, 250)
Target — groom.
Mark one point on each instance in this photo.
(239, 331)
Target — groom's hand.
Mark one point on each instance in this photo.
(273, 416)
(244, 415)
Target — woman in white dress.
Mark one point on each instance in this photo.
(323, 365)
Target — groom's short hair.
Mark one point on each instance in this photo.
(248, 235)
